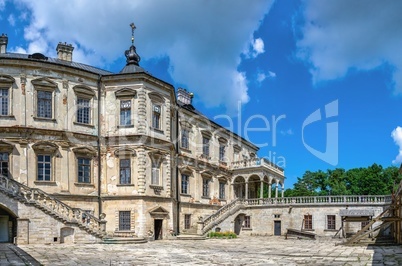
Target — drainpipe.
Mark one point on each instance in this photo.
(177, 173)
(99, 148)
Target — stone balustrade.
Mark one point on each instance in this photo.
(319, 200)
(255, 162)
(53, 206)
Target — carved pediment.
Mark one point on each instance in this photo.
(186, 170)
(125, 92)
(84, 90)
(158, 210)
(5, 79)
(44, 83)
(87, 151)
(206, 173)
(124, 151)
(45, 146)
(156, 97)
(6, 146)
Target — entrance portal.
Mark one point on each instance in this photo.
(277, 228)
(4, 229)
(158, 228)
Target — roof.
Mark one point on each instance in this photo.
(59, 62)
(190, 107)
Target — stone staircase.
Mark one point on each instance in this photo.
(220, 215)
(52, 206)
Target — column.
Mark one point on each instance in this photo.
(269, 189)
(283, 190)
(276, 189)
(262, 190)
(246, 196)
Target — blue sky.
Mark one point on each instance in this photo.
(255, 61)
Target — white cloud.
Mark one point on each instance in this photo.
(341, 35)
(397, 136)
(11, 20)
(261, 76)
(203, 39)
(2, 4)
(255, 48)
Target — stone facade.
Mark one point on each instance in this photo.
(86, 153)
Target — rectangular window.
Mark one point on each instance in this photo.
(247, 222)
(184, 139)
(125, 171)
(331, 222)
(205, 187)
(308, 222)
(84, 170)
(44, 167)
(83, 111)
(187, 221)
(4, 164)
(364, 224)
(222, 190)
(124, 220)
(44, 104)
(205, 146)
(184, 184)
(125, 113)
(156, 116)
(4, 99)
(155, 174)
(222, 153)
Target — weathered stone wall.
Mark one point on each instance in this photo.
(36, 226)
(262, 219)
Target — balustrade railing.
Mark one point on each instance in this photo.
(253, 162)
(52, 205)
(316, 200)
(221, 213)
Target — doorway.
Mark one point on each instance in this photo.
(277, 228)
(238, 224)
(158, 228)
(4, 237)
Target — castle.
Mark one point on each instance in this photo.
(87, 154)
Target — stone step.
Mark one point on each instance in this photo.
(190, 237)
(124, 240)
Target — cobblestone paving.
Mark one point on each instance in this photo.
(241, 251)
(12, 255)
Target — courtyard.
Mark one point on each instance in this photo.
(241, 251)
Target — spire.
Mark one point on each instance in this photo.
(131, 53)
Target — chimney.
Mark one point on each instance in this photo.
(65, 51)
(184, 97)
(3, 43)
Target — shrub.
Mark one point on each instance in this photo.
(226, 234)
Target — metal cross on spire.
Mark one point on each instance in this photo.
(133, 27)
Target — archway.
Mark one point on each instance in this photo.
(254, 185)
(8, 225)
(238, 222)
(239, 187)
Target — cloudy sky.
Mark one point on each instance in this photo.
(315, 84)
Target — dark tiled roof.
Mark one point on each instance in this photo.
(59, 62)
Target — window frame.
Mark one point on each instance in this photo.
(206, 187)
(84, 93)
(222, 151)
(44, 104)
(128, 167)
(156, 116)
(222, 190)
(123, 95)
(331, 222)
(187, 221)
(88, 165)
(7, 101)
(184, 142)
(124, 221)
(205, 146)
(185, 184)
(308, 222)
(47, 86)
(44, 163)
(7, 82)
(126, 119)
(247, 222)
(5, 164)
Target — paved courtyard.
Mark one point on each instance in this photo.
(241, 251)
